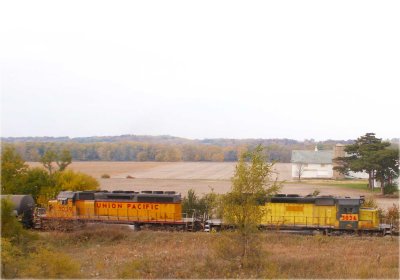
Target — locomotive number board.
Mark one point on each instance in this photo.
(349, 217)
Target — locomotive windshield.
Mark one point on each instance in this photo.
(64, 196)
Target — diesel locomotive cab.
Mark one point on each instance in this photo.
(63, 206)
(348, 213)
(64, 196)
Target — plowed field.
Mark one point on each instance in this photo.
(200, 176)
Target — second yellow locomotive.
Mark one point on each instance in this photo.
(322, 212)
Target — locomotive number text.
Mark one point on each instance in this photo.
(349, 217)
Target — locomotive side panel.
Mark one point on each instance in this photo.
(138, 211)
(298, 214)
(369, 218)
(85, 208)
(325, 216)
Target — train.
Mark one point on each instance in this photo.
(163, 210)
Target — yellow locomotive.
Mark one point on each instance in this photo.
(326, 213)
(323, 212)
(147, 207)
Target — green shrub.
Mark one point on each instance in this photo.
(139, 268)
(10, 227)
(390, 189)
(23, 260)
(228, 258)
(10, 259)
(392, 215)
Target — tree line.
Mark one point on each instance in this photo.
(208, 150)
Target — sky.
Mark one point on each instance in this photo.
(200, 69)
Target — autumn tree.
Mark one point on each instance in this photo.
(13, 171)
(68, 180)
(76, 181)
(37, 179)
(61, 159)
(48, 159)
(17, 178)
(42, 184)
(251, 185)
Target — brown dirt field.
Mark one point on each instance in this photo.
(200, 176)
(166, 170)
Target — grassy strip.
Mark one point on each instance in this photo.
(357, 184)
(110, 252)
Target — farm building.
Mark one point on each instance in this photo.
(316, 164)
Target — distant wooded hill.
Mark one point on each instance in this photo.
(159, 148)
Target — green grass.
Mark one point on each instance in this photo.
(358, 186)
(349, 184)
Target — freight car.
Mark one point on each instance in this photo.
(324, 213)
(156, 209)
(23, 208)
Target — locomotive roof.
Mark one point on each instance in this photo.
(69, 194)
(318, 200)
(144, 196)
